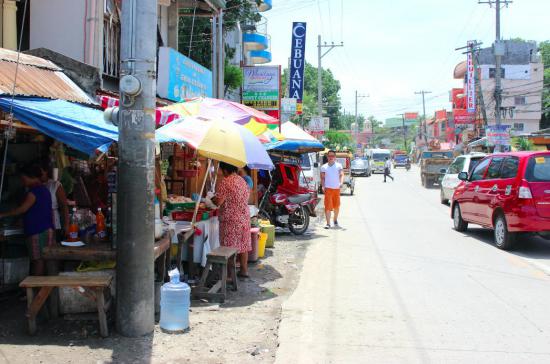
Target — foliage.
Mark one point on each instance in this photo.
(522, 143)
(233, 76)
(338, 140)
(195, 36)
(331, 99)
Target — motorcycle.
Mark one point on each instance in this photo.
(286, 205)
(408, 165)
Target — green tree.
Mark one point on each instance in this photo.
(338, 140)
(195, 35)
(331, 100)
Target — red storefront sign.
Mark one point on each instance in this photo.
(411, 115)
(462, 116)
(441, 115)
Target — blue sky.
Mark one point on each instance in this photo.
(393, 48)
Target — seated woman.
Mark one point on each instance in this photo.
(37, 216)
(232, 197)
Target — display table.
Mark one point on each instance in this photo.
(100, 251)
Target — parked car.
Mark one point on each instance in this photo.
(506, 192)
(463, 163)
(360, 167)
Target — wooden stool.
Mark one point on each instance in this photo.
(218, 258)
(91, 287)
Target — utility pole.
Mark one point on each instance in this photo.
(357, 96)
(404, 132)
(422, 92)
(135, 312)
(320, 55)
(498, 49)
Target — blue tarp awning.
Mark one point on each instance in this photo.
(80, 127)
(296, 146)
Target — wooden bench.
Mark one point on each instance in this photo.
(91, 287)
(218, 258)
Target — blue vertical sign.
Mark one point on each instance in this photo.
(297, 64)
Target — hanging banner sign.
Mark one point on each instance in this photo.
(297, 63)
(470, 81)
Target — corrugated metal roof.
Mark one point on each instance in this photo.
(37, 77)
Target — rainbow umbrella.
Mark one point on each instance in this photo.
(219, 140)
(255, 121)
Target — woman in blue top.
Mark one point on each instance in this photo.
(37, 216)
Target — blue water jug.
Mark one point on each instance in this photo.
(175, 299)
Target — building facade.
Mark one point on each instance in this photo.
(522, 82)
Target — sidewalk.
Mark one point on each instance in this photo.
(244, 329)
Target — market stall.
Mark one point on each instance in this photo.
(212, 140)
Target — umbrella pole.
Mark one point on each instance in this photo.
(200, 195)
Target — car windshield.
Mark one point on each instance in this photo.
(305, 162)
(427, 155)
(358, 163)
(400, 157)
(538, 169)
(380, 156)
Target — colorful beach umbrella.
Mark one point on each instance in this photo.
(219, 140)
(255, 121)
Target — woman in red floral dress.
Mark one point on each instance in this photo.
(232, 197)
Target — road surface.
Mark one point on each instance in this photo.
(398, 285)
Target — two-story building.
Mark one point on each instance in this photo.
(522, 83)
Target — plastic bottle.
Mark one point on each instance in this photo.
(175, 299)
(100, 224)
(73, 227)
(157, 208)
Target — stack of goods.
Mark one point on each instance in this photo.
(181, 208)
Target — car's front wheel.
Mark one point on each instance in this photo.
(504, 239)
(458, 221)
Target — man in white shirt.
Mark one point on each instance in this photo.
(387, 169)
(332, 177)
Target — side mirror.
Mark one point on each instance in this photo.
(315, 165)
(443, 171)
(463, 176)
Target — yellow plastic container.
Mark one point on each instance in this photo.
(261, 244)
(173, 250)
(270, 231)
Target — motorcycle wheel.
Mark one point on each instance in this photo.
(298, 222)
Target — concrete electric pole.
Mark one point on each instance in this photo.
(135, 313)
(498, 49)
(357, 97)
(320, 55)
(404, 132)
(423, 93)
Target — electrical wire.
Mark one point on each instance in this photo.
(192, 28)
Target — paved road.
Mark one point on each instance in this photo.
(397, 285)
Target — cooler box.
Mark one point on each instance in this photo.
(270, 231)
(253, 254)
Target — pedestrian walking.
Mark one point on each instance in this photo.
(387, 169)
(332, 178)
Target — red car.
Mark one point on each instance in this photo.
(506, 192)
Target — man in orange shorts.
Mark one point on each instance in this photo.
(332, 177)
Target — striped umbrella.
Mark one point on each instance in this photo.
(255, 121)
(219, 140)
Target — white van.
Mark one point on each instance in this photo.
(378, 157)
(463, 163)
(310, 176)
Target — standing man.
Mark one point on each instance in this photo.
(387, 169)
(332, 177)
